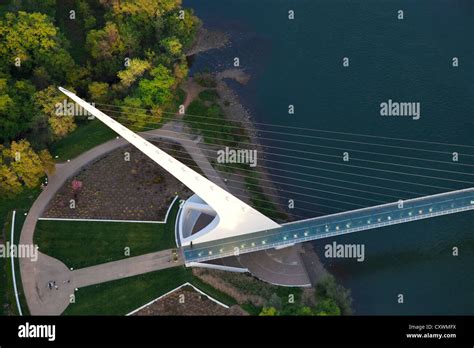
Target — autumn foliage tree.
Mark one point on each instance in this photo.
(29, 40)
(49, 100)
(124, 52)
(21, 166)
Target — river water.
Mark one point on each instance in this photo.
(299, 62)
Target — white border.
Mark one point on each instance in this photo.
(104, 220)
(12, 241)
(175, 289)
(218, 267)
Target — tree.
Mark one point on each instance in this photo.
(105, 43)
(136, 69)
(5, 100)
(25, 162)
(136, 118)
(31, 40)
(172, 46)
(85, 11)
(158, 90)
(51, 101)
(9, 183)
(152, 8)
(41, 77)
(305, 311)
(107, 48)
(156, 113)
(47, 160)
(17, 112)
(268, 311)
(327, 307)
(184, 29)
(180, 70)
(328, 288)
(274, 301)
(44, 6)
(99, 91)
(76, 188)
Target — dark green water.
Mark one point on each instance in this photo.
(300, 62)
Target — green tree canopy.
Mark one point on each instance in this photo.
(17, 112)
(22, 161)
(327, 307)
(105, 43)
(172, 46)
(136, 68)
(51, 102)
(158, 89)
(99, 91)
(28, 40)
(268, 311)
(183, 28)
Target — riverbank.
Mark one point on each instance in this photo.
(207, 40)
(234, 111)
(239, 116)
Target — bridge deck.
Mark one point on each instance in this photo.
(335, 224)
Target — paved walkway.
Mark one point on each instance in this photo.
(36, 275)
(52, 301)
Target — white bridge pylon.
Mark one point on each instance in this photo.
(232, 218)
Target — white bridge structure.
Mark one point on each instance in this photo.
(229, 216)
(214, 224)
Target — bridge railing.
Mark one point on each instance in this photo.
(343, 231)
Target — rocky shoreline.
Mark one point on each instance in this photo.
(233, 110)
(207, 40)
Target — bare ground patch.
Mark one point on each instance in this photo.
(114, 188)
(187, 301)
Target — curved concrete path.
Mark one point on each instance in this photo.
(36, 275)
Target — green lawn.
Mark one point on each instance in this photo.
(21, 202)
(9, 289)
(81, 244)
(209, 120)
(86, 136)
(131, 293)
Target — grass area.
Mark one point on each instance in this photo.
(209, 120)
(205, 80)
(120, 297)
(133, 292)
(211, 291)
(85, 137)
(92, 133)
(209, 95)
(81, 244)
(10, 299)
(288, 300)
(20, 202)
(214, 125)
